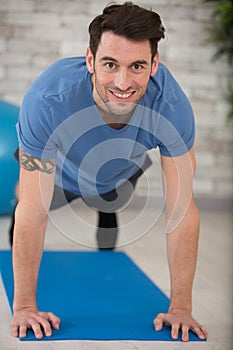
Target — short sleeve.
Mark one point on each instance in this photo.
(176, 127)
(35, 127)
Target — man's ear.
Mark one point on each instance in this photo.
(155, 64)
(90, 60)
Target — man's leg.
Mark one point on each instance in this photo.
(107, 225)
(11, 229)
(107, 222)
(60, 198)
(107, 230)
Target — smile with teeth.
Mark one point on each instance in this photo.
(122, 95)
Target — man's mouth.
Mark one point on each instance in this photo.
(123, 96)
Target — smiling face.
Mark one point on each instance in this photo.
(120, 72)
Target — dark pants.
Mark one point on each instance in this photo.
(61, 196)
(107, 222)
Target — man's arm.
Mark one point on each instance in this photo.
(182, 219)
(35, 192)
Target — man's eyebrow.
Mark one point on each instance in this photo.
(108, 58)
(143, 62)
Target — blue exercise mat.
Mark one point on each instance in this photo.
(97, 295)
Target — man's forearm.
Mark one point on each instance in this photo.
(182, 246)
(27, 250)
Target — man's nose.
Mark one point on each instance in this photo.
(123, 80)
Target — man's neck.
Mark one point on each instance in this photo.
(114, 121)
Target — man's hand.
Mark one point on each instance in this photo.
(180, 319)
(39, 322)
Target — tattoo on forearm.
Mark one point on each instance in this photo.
(31, 163)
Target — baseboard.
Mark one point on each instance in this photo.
(203, 203)
(215, 204)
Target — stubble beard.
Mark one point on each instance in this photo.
(112, 110)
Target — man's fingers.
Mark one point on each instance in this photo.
(200, 331)
(204, 331)
(54, 320)
(159, 321)
(14, 329)
(37, 330)
(185, 333)
(44, 325)
(41, 323)
(36, 324)
(183, 322)
(22, 331)
(175, 330)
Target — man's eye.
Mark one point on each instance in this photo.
(110, 65)
(137, 66)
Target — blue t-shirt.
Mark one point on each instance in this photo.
(59, 119)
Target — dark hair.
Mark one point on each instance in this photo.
(130, 21)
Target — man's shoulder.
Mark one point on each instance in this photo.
(163, 88)
(163, 79)
(61, 76)
(68, 64)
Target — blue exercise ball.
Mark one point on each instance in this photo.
(9, 168)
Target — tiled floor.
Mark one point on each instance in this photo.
(212, 292)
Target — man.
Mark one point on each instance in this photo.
(85, 125)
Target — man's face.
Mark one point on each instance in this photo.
(121, 71)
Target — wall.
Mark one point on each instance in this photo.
(35, 33)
